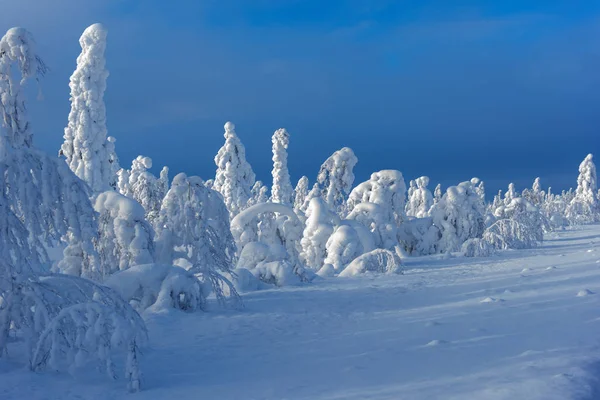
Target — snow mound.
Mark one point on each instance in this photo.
(245, 281)
(477, 248)
(378, 260)
(158, 287)
(326, 271)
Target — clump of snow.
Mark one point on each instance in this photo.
(477, 248)
(326, 271)
(158, 287)
(378, 260)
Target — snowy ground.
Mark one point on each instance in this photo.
(524, 325)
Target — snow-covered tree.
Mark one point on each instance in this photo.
(336, 178)
(510, 194)
(281, 191)
(315, 191)
(524, 212)
(459, 216)
(86, 148)
(234, 178)
(342, 247)
(113, 160)
(278, 242)
(259, 194)
(421, 199)
(509, 233)
(537, 194)
(437, 193)
(163, 180)
(126, 238)
(61, 319)
(583, 207)
(193, 233)
(320, 223)
(479, 188)
(300, 193)
(378, 204)
(385, 188)
(144, 187)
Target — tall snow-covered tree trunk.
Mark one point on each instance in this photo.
(234, 177)
(281, 191)
(85, 147)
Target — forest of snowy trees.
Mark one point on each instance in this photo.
(131, 241)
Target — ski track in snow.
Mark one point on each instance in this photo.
(504, 327)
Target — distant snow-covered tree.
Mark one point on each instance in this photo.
(300, 193)
(145, 188)
(320, 222)
(479, 188)
(315, 191)
(459, 216)
(421, 199)
(386, 188)
(281, 191)
(523, 211)
(234, 178)
(336, 178)
(259, 194)
(86, 148)
(583, 205)
(437, 193)
(510, 194)
(379, 205)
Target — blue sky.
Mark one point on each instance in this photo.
(503, 90)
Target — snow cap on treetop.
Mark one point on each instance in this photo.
(229, 126)
(92, 35)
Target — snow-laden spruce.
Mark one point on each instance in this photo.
(320, 222)
(336, 178)
(86, 148)
(281, 191)
(421, 200)
(379, 205)
(141, 185)
(300, 194)
(275, 227)
(193, 232)
(234, 178)
(583, 208)
(125, 237)
(259, 194)
(459, 216)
